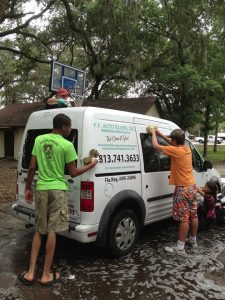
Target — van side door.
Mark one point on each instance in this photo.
(155, 169)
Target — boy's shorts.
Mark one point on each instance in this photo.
(185, 203)
(51, 211)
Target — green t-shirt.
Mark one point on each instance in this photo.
(52, 152)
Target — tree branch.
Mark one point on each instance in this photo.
(18, 52)
(27, 22)
(159, 31)
(81, 32)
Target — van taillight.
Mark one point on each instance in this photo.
(87, 196)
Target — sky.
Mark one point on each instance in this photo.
(32, 7)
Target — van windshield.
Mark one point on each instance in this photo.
(29, 143)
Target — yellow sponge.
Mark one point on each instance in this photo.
(94, 153)
(88, 159)
(149, 128)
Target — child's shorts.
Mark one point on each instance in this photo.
(185, 203)
(51, 211)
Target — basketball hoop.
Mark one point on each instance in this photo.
(70, 78)
(78, 100)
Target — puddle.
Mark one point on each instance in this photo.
(88, 273)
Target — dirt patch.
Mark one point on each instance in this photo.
(8, 169)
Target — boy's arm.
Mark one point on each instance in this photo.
(155, 143)
(30, 177)
(74, 171)
(166, 138)
(201, 192)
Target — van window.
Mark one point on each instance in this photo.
(154, 161)
(197, 161)
(29, 143)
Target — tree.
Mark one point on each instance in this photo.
(169, 48)
(107, 40)
(22, 46)
(179, 69)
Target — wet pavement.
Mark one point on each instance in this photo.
(89, 273)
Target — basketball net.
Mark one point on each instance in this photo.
(77, 99)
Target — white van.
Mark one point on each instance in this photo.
(129, 186)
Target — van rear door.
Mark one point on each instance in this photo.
(23, 165)
(74, 184)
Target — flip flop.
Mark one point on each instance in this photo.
(24, 280)
(52, 281)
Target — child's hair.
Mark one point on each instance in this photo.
(212, 187)
(178, 136)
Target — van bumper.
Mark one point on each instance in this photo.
(23, 213)
(79, 232)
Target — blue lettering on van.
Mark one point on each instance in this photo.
(114, 127)
(108, 126)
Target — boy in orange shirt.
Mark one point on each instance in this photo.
(181, 175)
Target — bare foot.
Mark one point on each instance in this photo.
(50, 279)
(29, 276)
(26, 278)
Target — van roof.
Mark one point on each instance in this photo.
(98, 111)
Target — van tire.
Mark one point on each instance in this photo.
(123, 233)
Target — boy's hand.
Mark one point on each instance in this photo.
(150, 129)
(28, 196)
(94, 161)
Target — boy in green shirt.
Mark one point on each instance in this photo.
(50, 152)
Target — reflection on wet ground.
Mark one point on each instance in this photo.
(88, 273)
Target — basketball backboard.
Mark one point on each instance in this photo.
(70, 78)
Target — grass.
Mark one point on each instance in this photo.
(214, 157)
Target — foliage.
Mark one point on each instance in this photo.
(107, 41)
(170, 48)
(22, 49)
(186, 72)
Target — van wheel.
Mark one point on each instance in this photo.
(123, 233)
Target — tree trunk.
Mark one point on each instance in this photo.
(216, 134)
(95, 92)
(206, 129)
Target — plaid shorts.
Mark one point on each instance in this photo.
(185, 203)
(51, 211)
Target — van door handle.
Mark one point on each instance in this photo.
(168, 176)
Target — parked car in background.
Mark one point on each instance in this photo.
(221, 135)
(211, 139)
(199, 139)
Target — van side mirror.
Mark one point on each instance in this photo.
(207, 165)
